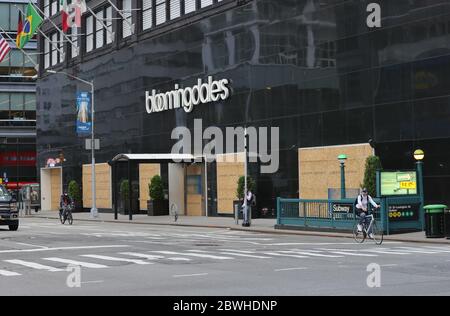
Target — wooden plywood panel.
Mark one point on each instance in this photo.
(102, 186)
(194, 205)
(146, 173)
(56, 188)
(229, 170)
(319, 169)
(194, 201)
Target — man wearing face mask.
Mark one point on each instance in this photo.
(362, 209)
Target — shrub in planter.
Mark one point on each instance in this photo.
(75, 194)
(157, 205)
(125, 195)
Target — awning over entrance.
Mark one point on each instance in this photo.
(157, 158)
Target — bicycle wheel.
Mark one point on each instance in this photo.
(378, 234)
(70, 218)
(61, 217)
(359, 236)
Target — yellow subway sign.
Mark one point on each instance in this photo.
(408, 185)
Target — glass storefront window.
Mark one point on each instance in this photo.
(16, 102)
(4, 101)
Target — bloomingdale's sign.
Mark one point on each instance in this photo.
(187, 98)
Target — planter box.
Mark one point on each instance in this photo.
(158, 208)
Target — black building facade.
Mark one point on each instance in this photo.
(313, 68)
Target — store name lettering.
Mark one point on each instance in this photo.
(187, 98)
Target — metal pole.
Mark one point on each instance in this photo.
(245, 175)
(419, 165)
(206, 185)
(343, 193)
(94, 212)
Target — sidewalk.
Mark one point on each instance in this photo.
(258, 225)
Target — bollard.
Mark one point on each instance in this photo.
(236, 213)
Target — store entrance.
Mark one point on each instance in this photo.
(183, 177)
(51, 188)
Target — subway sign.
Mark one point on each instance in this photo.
(403, 212)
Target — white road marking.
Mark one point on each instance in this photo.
(389, 265)
(108, 258)
(387, 252)
(34, 265)
(92, 282)
(353, 254)
(290, 269)
(283, 255)
(8, 273)
(78, 263)
(200, 255)
(416, 250)
(62, 248)
(243, 255)
(312, 254)
(236, 250)
(189, 275)
(152, 257)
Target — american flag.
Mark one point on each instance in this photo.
(4, 48)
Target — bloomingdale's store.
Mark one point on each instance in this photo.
(311, 68)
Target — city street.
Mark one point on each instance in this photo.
(134, 259)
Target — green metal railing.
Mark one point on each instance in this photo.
(329, 214)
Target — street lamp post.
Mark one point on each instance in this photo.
(94, 211)
(342, 159)
(419, 156)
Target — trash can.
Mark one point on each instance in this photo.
(434, 221)
(447, 223)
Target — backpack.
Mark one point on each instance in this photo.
(356, 202)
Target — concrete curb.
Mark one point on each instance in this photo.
(259, 230)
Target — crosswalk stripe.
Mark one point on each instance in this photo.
(243, 255)
(34, 265)
(135, 261)
(235, 250)
(416, 250)
(312, 254)
(353, 254)
(200, 255)
(8, 273)
(152, 257)
(283, 255)
(78, 263)
(387, 252)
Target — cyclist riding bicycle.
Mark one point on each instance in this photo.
(64, 202)
(362, 209)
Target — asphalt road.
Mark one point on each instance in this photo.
(131, 259)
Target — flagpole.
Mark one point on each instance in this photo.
(24, 52)
(123, 17)
(43, 34)
(64, 34)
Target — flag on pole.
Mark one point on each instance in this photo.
(19, 30)
(64, 15)
(32, 22)
(4, 48)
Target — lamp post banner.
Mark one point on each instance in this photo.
(84, 124)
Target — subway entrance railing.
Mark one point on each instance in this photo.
(395, 215)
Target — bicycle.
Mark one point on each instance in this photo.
(66, 214)
(360, 236)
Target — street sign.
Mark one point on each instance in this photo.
(96, 144)
(403, 212)
(398, 183)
